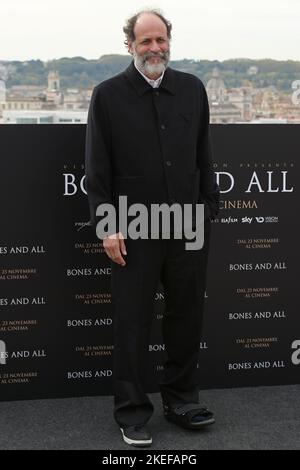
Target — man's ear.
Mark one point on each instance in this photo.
(130, 49)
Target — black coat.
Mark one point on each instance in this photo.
(152, 145)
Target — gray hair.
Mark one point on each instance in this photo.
(131, 22)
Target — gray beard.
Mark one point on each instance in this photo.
(151, 69)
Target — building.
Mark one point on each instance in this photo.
(216, 89)
(229, 105)
(241, 98)
(32, 104)
(55, 116)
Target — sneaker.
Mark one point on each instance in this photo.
(137, 435)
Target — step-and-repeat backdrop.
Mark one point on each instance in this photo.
(56, 333)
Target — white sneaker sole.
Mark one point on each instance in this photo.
(137, 443)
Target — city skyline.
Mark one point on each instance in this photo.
(219, 31)
(56, 104)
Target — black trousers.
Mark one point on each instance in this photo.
(183, 274)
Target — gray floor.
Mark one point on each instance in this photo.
(246, 418)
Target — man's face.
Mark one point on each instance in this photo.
(151, 49)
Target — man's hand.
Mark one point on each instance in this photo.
(114, 246)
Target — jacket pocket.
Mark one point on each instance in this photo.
(131, 186)
(186, 116)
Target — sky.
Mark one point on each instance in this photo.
(210, 29)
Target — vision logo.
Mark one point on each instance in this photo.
(296, 353)
(3, 353)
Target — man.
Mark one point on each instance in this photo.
(148, 139)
